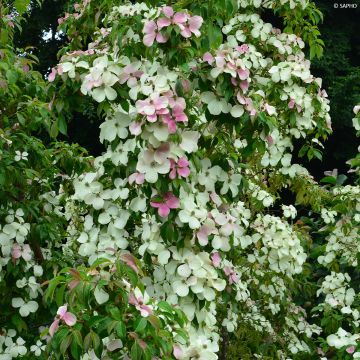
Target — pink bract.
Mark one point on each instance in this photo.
(62, 314)
(216, 259)
(169, 201)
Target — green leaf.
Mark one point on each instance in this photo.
(329, 180)
(341, 179)
(59, 297)
(21, 118)
(136, 352)
(65, 344)
(21, 5)
(317, 153)
(12, 76)
(215, 36)
(54, 131)
(116, 314)
(76, 334)
(141, 325)
(87, 341)
(75, 350)
(95, 340)
(19, 323)
(62, 125)
(121, 329)
(163, 305)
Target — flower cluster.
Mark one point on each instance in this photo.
(171, 225)
(167, 18)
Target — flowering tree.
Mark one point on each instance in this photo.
(178, 240)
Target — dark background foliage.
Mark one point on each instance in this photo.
(339, 68)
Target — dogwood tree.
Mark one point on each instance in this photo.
(179, 240)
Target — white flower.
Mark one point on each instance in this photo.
(237, 111)
(139, 203)
(232, 182)
(101, 295)
(151, 164)
(34, 287)
(208, 175)
(25, 307)
(21, 155)
(289, 211)
(70, 66)
(120, 154)
(38, 270)
(191, 214)
(189, 141)
(342, 338)
(17, 348)
(115, 126)
(37, 348)
(328, 215)
(216, 105)
(181, 286)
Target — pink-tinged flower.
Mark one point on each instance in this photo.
(243, 73)
(220, 61)
(244, 85)
(269, 140)
(135, 127)
(178, 106)
(248, 104)
(171, 18)
(152, 33)
(90, 82)
(129, 260)
(180, 18)
(61, 20)
(191, 27)
(168, 11)
(270, 109)
(136, 177)
(153, 106)
(232, 275)
(181, 168)
(130, 74)
(177, 351)
(208, 58)
(60, 69)
(169, 201)
(178, 113)
(186, 85)
(170, 122)
(62, 314)
(215, 198)
(291, 104)
(140, 301)
(350, 350)
(215, 259)
(19, 251)
(52, 75)
(195, 23)
(243, 49)
(233, 81)
(204, 231)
